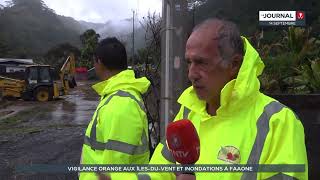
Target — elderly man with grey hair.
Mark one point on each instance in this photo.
(236, 123)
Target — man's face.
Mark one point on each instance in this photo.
(205, 66)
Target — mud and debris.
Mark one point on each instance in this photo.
(44, 133)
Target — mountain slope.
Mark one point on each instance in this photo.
(29, 28)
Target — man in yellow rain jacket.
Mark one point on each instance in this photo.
(118, 131)
(236, 123)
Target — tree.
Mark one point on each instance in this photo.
(152, 26)
(149, 59)
(30, 28)
(35, 4)
(89, 40)
(195, 3)
(4, 49)
(57, 55)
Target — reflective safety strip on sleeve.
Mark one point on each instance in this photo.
(126, 94)
(144, 177)
(262, 132)
(166, 152)
(112, 144)
(119, 146)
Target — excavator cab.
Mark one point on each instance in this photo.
(38, 74)
(39, 83)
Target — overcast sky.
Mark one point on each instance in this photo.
(102, 10)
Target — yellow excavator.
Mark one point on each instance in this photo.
(39, 83)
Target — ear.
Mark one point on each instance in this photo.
(235, 65)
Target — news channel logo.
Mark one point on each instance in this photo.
(282, 18)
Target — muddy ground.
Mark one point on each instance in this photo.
(44, 133)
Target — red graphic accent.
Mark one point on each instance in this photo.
(230, 156)
(300, 15)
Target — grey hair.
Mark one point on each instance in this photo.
(228, 36)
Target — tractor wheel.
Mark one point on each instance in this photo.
(42, 94)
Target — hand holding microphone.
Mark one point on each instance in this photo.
(184, 144)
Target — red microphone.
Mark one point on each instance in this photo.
(183, 141)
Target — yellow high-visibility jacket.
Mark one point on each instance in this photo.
(248, 128)
(118, 131)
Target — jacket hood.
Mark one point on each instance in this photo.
(238, 92)
(125, 80)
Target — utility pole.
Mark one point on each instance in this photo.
(133, 38)
(173, 73)
(166, 78)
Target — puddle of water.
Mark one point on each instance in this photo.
(74, 109)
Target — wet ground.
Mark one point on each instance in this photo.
(44, 133)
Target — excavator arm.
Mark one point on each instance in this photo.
(67, 73)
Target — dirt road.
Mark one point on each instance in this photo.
(44, 133)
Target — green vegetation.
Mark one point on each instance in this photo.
(292, 63)
(89, 40)
(17, 118)
(29, 29)
(150, 55)
(57, 55)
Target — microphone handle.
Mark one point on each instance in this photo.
(188, 172)
(186, 177)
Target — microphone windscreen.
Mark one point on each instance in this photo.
(183, 141)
